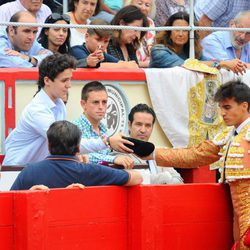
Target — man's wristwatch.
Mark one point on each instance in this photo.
(216, 64)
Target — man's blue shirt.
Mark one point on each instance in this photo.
(7, 61)
(58, 171)
(218, 46)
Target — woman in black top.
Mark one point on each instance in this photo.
(56, 39)
(124, 43)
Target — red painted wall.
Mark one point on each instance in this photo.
(174, 217)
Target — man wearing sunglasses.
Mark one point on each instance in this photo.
(227, 45)
(18, 45)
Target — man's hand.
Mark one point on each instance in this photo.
(125, 161)
(39, 187)
(117, 143)
(83, 158)
(11, 52)
(94, 58)
(76, 185)
(236, 65)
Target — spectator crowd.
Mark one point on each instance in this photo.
(24, 46)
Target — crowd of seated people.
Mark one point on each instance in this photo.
(223, 49)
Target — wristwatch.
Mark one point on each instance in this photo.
(216, 64)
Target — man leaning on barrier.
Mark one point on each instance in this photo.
(227, 45)
(18, 45)
(62, 167)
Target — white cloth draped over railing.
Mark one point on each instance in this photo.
(183, 102)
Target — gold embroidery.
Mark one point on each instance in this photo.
(204, 121)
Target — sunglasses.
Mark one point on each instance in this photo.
(56, 17)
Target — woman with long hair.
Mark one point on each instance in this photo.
(56, 39)
(124, 43)
(172, 47)
(147, 7)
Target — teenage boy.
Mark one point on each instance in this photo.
(28, 141)
(92, 52)
(94, 100)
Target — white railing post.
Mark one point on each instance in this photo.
(65, 6)
(191, 33)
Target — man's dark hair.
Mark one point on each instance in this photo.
(142, 108)
(64, 138)
(129, 14)
(91, 86)
(237, 90)
(53, 65)
(103, 33)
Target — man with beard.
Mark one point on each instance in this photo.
(227, 45)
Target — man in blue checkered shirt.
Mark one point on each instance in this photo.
(94, 103)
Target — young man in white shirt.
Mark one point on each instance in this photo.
(27, 142)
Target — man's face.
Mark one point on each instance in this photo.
(32, 6)
(95, 106)
(239, 38)
(233, 113)
(59, 87)
(142, 126)
(94, 41)
(22, 38)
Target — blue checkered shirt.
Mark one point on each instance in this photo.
(89, 133)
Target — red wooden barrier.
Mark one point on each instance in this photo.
(172, 217)
(6, 221)
(178, 217)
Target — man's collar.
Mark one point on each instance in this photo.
(242, 125)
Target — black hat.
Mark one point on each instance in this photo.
(140, 148)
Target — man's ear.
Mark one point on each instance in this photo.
(49, 146)
(245, 106)
(129, 127)
(46, 80)
(11, 30)
(78, 148)
(83, 103)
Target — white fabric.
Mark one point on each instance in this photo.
(168, 90)
(28, 141)
(76, 37)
